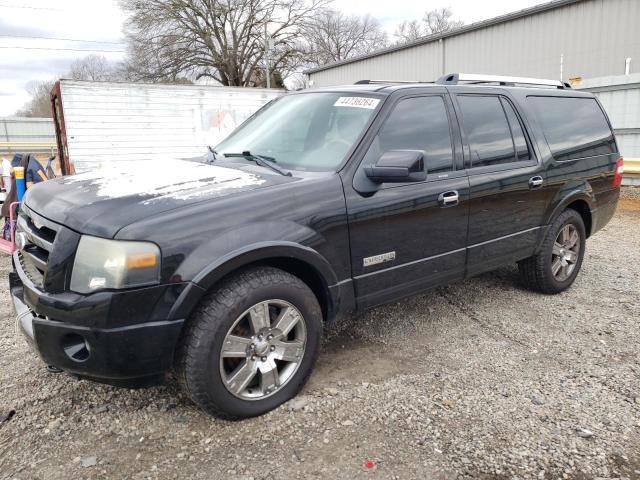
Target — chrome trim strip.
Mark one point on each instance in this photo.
(383, 270)
(503, 237)
(421, 260)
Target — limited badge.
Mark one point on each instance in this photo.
(376, 259)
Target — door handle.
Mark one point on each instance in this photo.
(449, 199)
(536, 182)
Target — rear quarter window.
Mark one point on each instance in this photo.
(573, 127)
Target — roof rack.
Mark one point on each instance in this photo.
(457, 78)
(386, 82)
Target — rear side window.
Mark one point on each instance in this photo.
(574, 127)
(493, 131)
(420, 123)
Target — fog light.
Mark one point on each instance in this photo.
(76, 347)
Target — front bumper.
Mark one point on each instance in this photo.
(24, 316)
(106, 336)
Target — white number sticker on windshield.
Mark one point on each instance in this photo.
(357, 102)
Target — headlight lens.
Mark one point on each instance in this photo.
(104, 264)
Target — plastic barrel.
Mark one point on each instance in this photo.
(21, 186)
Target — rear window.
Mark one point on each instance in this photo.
(574, 127)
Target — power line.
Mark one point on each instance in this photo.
(66, 49)
(31, 8)
(63, 39)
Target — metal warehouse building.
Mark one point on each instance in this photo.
(593, 44)
(566, 39)
(35, 135)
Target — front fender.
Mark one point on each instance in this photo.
(221, 254)
(238, 258)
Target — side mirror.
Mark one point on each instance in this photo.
(398, 166)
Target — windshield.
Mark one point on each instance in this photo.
(308, 131)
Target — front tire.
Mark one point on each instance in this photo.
(555, 267)
(251, 345)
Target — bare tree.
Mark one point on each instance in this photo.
(439, 21)
(92, 67)
(333, 36)
(434, 21)
(218, 39)
(40, 104)
(149, 64)
(409, 31)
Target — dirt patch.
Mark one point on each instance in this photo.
(630, 199)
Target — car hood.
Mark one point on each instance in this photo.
(101, 202)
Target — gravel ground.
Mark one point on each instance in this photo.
(480, 379)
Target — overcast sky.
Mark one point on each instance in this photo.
(98, 24)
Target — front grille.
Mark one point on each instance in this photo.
(39, 235)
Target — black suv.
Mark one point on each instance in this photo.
(324, 203)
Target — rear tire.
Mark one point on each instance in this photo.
(555, 267)
(251, 344)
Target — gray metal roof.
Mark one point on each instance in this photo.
(544, 7)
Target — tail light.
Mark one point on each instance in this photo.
(618, 173)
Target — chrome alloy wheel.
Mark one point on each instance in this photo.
(263, 349)
(565, 253)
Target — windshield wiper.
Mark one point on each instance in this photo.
(213, 153)
(261, 160)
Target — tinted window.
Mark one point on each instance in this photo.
(573, 127)
(519, 140)
(419, 123)
(487, 130)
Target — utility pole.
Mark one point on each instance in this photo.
(267, 54)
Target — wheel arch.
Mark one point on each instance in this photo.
(580, 201)
(303, 262)
(583, 208)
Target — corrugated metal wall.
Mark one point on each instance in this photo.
(593, 36)
(107, 122)
(620, 97)
(417, 63)
(29, 135)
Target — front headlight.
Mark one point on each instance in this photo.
(104, 264)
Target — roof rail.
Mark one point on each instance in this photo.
(457, 78)
(374, 82)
